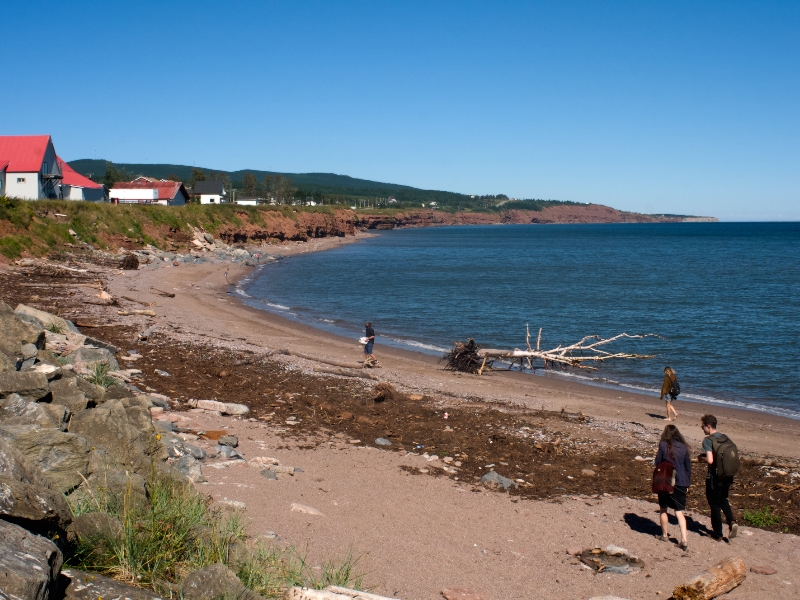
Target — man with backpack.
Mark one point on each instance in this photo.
(722, 457)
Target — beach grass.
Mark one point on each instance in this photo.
(176, 531)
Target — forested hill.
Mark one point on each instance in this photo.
(329, 186)
(321, 183)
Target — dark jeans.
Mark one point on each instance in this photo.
(717, 496)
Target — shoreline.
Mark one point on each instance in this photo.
(205, 307)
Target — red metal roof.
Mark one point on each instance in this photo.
(24, 153)
(73, 178)
(167, 190)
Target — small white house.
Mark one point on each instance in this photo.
(31, 171)
(210, 192)
(75, 186)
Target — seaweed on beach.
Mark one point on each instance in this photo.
(463, 357)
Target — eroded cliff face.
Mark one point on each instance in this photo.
(303, 227)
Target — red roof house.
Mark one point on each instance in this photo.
(32, 170)
(75, 186)
(144, 190)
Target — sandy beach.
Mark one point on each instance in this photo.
(416, 513)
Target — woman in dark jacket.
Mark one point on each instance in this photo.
(672, 448)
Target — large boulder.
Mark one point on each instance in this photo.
(15, 410)
(110, 488)
(87, 358)
(15, 333)
(7, 363)
(49, 321)
(90, 586)
(95, 526)
(125, 433)
(215, 581)
(67, 391)
(36, 508)
(30, 385)
(29, 564)
(70, 384)
(14, 465)
(63, 457)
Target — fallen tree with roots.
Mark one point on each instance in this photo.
(469, 357)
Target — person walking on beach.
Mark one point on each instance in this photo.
(672, 448)
(717, 487)
(670, 389)
(370, 335)
(226, 276)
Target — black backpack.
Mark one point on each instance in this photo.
(674, 388)
(726, 455)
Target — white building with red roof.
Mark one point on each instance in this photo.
(75, 186)
(146, 190)
(31, 169)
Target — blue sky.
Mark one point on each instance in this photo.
(679, 107)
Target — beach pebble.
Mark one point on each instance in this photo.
(383, 442)
(588, 473)
(457, 463)
(269, 474)
(763, 570)
(234, 504)
(355, 441)
(448, 459)
(261, 461)
(574, 550)
(639, 458)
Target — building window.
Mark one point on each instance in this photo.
(20, 180)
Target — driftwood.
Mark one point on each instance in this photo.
(464, 357)
(346, 372)
(146, 313)
(470, 358)
(331, 592)
(162, 292)
(142, 302)
(325, 361)
(719, 579)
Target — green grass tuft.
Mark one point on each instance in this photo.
(176, 532)
(761, 518)
(99, 376)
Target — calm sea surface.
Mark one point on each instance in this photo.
(725, 297)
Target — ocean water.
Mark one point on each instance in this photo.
(725, 297)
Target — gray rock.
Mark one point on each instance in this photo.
(7, 363)
(63, 457)
(34, 507)
(269, 474)
(208, 238)
(195, 451)
(120, 392)
(14, 465)
(91, 586)
(109, 487)
(47, 319)
(165, 426)
(15, 333)
(383, 442)
(95, 526)
(31, 386)
(59, 412)
(89, 357)
(162, 373)
(494, 477)
(215, 581)
(90, 341)
(30, 320)
(228, 440)
(29, 351)
(125, 433)
(29, 564)
(190, 467)
(27, 363)
(66, 391)
(14, 410)
(227, 452)
(157, 400)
